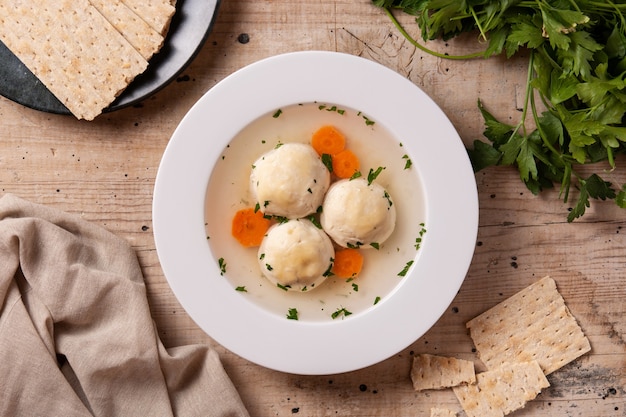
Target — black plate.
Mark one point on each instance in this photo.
(189, 29)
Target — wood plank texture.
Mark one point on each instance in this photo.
(105, 170)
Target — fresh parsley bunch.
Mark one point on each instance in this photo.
(577, 70)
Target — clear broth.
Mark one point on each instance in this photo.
(228, 191)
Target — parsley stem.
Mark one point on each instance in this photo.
(617, 11)
(425, 49)
(478, 25)
(574, 5)
(529, 96)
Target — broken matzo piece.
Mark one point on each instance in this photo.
(534, 324)
(73, 50)
(503, 390)
(436, 372)
(137, 32)
(442, 412)
(157, 13)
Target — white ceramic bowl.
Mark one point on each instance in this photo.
(202, 181)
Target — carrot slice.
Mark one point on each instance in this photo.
(345, 164)
(249, 227)
(328, 140)
(348, 263)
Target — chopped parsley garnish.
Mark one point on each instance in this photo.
(373, 175)
(327, 160)
(418, 240)
(269, 267)
(376, 300)
(277, 113)
(368, 121)
(375, 245)
(315, 221)
(257, 207)
(292, 314)
(406, 269)
(357, 174)
(332, 108)
(408, 162)
(328, 271)
(241, 289)
(355, 287)
(222, 265)
(283, 287)
(340, 312)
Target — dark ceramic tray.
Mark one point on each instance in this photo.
(190, 26)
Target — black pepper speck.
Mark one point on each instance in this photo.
(362, 387)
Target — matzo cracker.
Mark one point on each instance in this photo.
(135, 30)
(436, 372)
(503, 390)
(534, 324)
(73, 50)
(157, 13)
(442, 412)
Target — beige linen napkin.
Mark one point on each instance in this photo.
(76, 335)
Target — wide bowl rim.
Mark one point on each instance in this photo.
(288, 345)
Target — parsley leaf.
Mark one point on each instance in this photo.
(577, 70)
(372, 175)
(592, 187)
(292, 314)
(405, 270)
(340, 312)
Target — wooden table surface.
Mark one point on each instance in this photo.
(105, 170)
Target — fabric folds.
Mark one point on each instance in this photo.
(76, 334)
